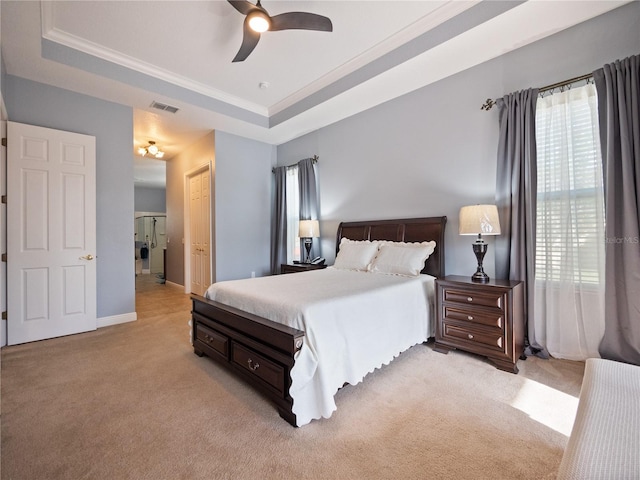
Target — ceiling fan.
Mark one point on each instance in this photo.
(257, 20)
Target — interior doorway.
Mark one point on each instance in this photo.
(151, 245)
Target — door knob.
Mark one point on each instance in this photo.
(87, 257)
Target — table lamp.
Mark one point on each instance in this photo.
(479, 220)
(307, 231)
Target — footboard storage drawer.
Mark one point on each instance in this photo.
(482, 318)
(269, 372)
(213, 340)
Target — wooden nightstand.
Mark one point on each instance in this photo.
(482, 318)
(300, 267)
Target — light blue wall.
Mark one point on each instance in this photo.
(242, 206)
(433, 151)
(112, 125)
(147, 199)
(240, 202)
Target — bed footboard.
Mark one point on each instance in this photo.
(259, 350)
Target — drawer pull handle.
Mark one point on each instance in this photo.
(469, 317)
(469, 299)
(470, 336)
(208, 338)
(252, 365)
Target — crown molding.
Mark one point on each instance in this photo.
(50, 32)
(431, 20)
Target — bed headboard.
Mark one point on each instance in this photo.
(405, 230)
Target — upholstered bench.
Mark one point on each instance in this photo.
(605, 440)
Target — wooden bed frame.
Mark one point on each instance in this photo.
(262, 351)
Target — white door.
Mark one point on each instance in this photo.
(195, 212)
(199, 232)
(205, 238)
(51, 233)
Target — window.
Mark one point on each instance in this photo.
(570, 211)
(296, 197)
(293, 215)
(569, 289)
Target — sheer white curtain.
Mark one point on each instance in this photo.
(293, 215)
(570, 238)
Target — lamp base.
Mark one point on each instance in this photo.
(307, 247)
(480, 277)
(480, 248)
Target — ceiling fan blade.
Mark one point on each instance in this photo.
(249, 42)
(300, 21)
(242, 6)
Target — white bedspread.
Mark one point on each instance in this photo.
(354, 322)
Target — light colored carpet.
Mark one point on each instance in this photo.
(133, 402)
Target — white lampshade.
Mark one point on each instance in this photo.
(479, 219)
(309, 229)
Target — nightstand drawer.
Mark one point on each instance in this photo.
(471, 297)
(474, 316)
(492, 340)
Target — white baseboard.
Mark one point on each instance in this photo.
(117, 319)
(173, 284)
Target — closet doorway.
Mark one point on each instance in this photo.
(198, 230)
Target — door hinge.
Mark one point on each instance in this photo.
(4, 142)
(4, 199)
(4, 257)
(4, 315)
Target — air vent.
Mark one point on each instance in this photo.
(162, 106)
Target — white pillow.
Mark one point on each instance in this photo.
(355, 254)
(400, 258)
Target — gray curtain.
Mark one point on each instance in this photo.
(516, 185)
(279, 220)
(618, 86)
(309, 203)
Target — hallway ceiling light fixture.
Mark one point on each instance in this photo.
(151, 149)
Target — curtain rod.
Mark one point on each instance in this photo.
(490, 103)
(314, 159)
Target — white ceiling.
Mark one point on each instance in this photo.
(179, 53)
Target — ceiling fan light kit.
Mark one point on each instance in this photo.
(258, 21)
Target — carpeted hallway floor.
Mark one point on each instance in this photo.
(132, 401)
